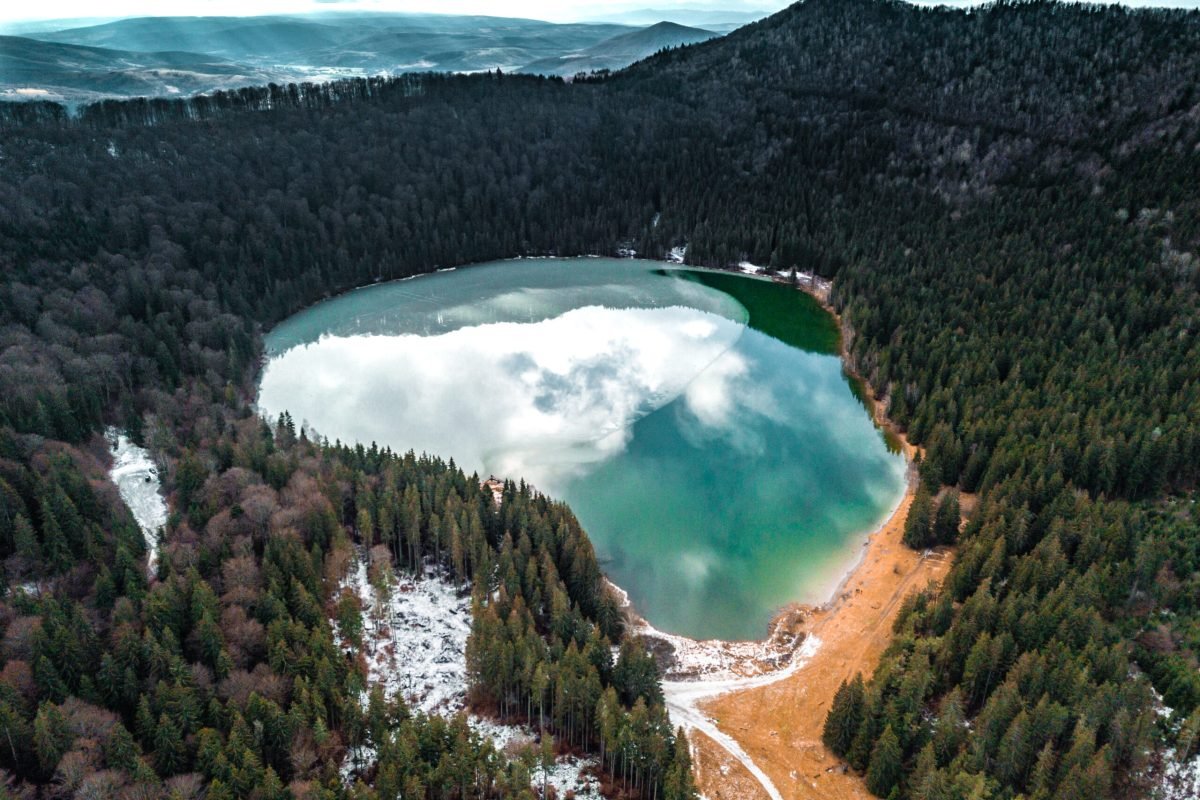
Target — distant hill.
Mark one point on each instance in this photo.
(232, 37)
(694, 16)
(125, 57)
(301, 38)
(623, 50)
(49, 70)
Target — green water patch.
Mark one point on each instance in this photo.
(794, 318)
(779, 310)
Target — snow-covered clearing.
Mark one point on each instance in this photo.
(415, 642)
(1174, 778)
(136, 477)
(1180, 779)
(415, 637)
(568, 775)
(676, 255)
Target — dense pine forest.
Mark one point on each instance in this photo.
(1007, 201)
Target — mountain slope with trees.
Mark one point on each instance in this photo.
(1006, 199)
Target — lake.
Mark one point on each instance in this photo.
(699, 424)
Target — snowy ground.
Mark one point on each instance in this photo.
(1180, 780)
(677, 254)
(136, 477)
(701, 670)
(415, 643)
(687, 660)
(683, 698)
(807, 280)
(415, 638)
(567, 775)
(1174, 779)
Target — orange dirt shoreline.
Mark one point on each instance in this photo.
(779, 725)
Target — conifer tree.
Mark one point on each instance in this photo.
(120, 750)
(25, 541)
(169, 749)
(845, 716)
(883, 774)
(51, 736)
(946, 520)
(949, 731)
(917, 523)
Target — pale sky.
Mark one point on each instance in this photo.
(554, 10)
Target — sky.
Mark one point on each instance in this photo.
(553, 10)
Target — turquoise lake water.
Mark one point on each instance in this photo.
(720, 472)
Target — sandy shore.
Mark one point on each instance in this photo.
(779, 724)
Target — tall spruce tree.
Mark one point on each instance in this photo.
(883, 773)
(845, 716)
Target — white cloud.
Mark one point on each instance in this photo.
(540, 401)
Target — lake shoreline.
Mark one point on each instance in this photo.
(700, 657)
(779, 725)
(686, 658)
(764, 702)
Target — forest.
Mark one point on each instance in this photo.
(1007, 201)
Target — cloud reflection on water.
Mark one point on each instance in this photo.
(540, 400)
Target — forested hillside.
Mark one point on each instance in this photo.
(1008, 201)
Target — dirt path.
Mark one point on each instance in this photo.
(778, 724)
(684, 700)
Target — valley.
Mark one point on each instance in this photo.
(174, 56)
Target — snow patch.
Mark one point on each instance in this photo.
(136, 476)
(1175, 778)
(415, 637)
(1180, 778)
(567, 775)
(712, 660)
(676, 255)
(683, 700)
(415, 642)
(702, 670)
